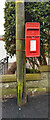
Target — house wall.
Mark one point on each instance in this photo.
(3, 53)
(2, 50)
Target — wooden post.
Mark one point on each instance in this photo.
(20, 54)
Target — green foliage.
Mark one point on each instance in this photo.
(34, 12)
(28, 70)
(10, 28)
(39, 12)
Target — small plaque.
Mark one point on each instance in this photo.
(32, 45)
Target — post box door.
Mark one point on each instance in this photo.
(32, 47)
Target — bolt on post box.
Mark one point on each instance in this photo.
(32, 39)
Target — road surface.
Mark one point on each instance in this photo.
(36, 107)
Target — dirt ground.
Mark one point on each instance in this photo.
(36, 107)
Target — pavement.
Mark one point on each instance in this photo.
(36, 107)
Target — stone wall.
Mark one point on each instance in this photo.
(45, 77)
(35, 83)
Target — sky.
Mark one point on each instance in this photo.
(2, 5)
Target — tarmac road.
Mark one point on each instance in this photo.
(36, 107)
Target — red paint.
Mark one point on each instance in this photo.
(32, 30)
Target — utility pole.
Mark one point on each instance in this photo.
(20, 54)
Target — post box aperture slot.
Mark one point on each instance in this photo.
(32, 45)
(32, 32)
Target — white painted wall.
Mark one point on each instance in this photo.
(3, 53)
(2, 50)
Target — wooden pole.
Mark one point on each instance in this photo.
(20, 54)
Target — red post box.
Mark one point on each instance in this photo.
(32, 39)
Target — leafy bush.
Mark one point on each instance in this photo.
(34, 12)
(10, 28)
(28, 70)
